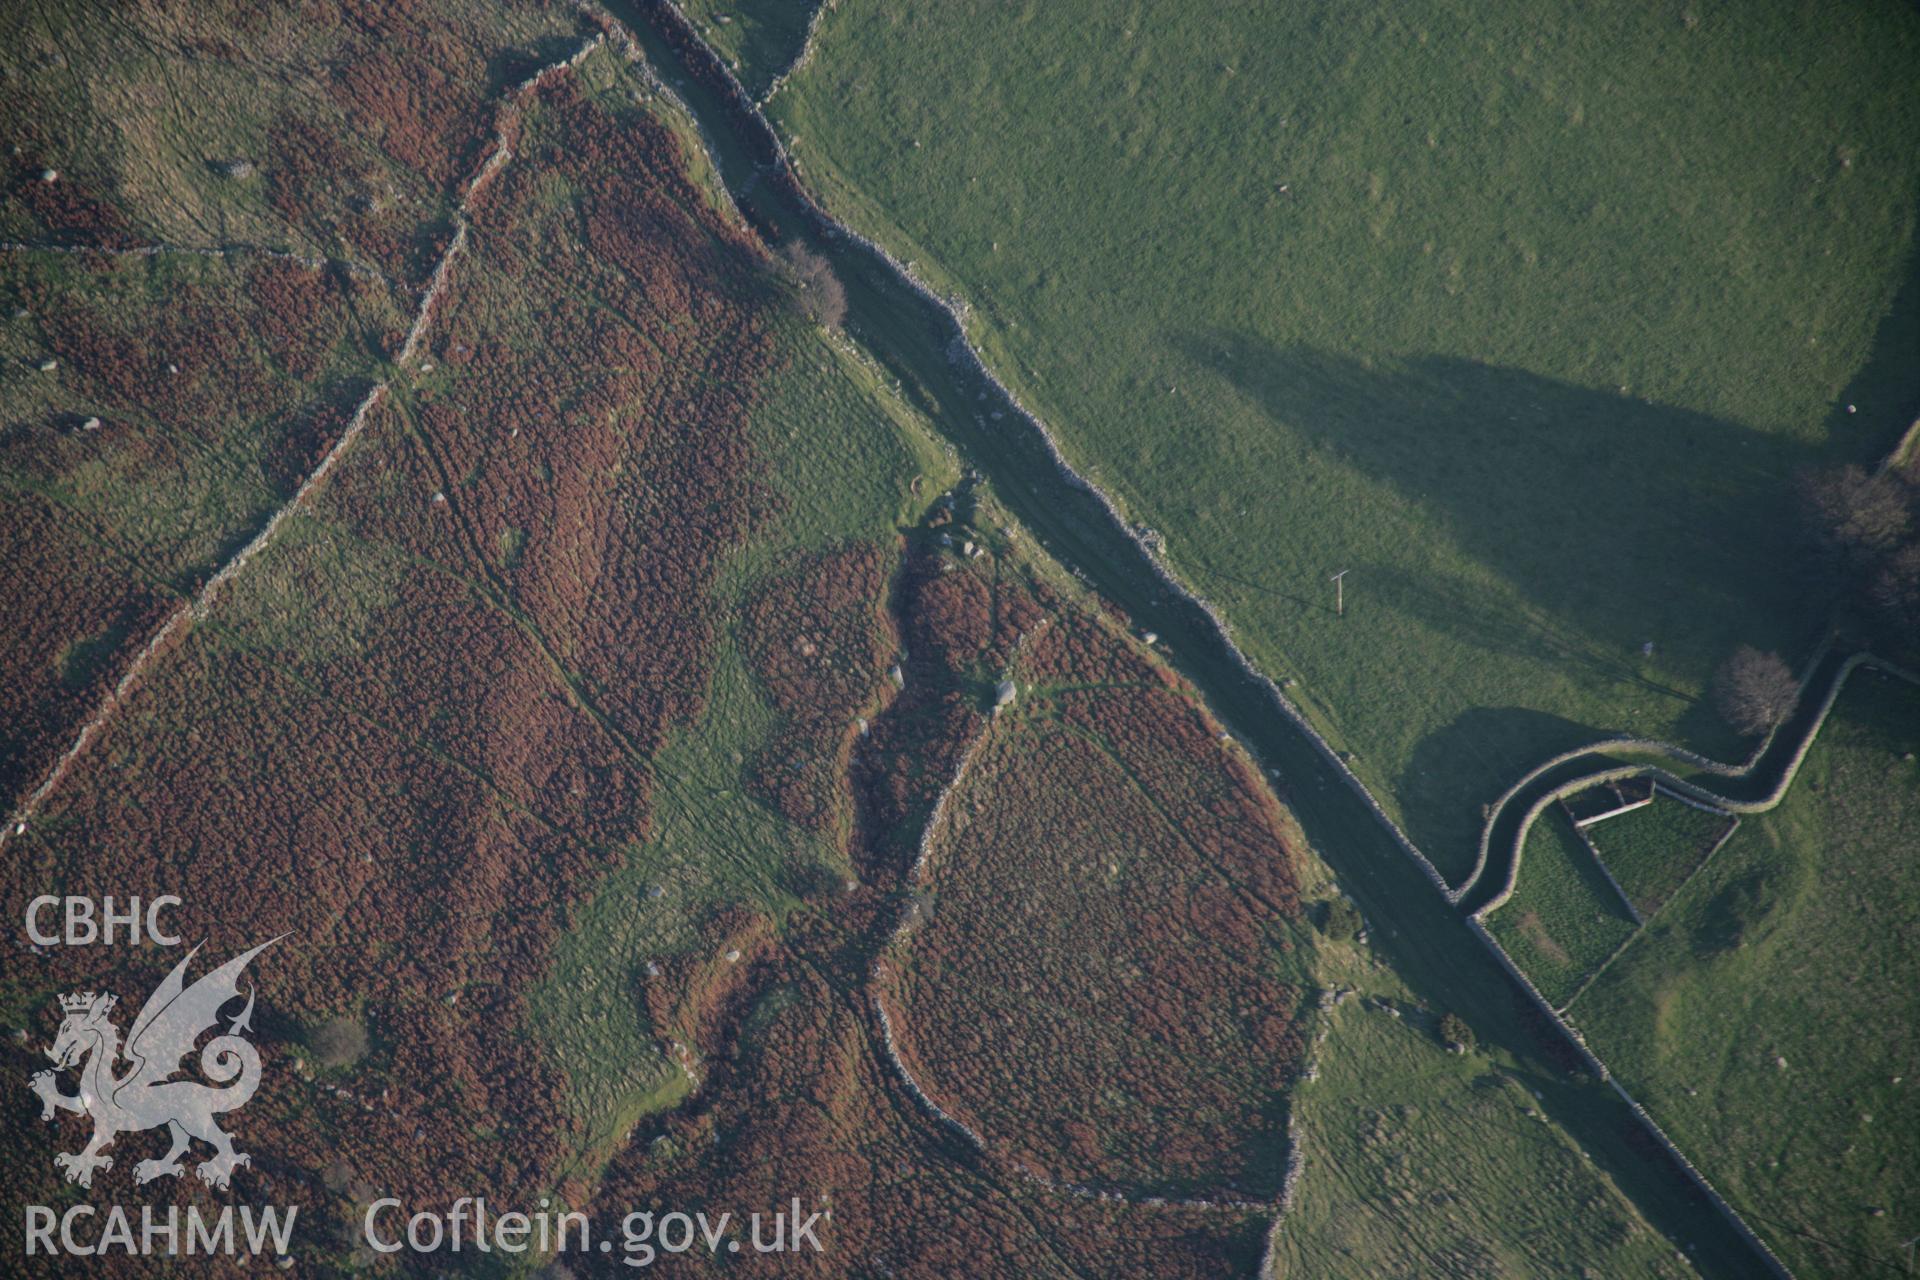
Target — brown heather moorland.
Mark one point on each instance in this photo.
(1101, 981)
(234, 234)
(186, 403)
(816, 637)
(799, 1093)
(410, 748)
(416, 734)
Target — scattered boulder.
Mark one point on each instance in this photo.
(1455, 1034)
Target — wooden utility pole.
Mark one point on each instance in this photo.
(1339, 594)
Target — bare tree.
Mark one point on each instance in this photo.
(1755, 691)
(1896, 589)
(821, 298)
(1855, 515)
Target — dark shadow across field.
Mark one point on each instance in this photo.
(1886, 390)
(1496, 733)
(1443, 601)
(1589, 502)
(1610, 516)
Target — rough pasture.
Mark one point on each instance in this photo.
(414, 744)
(183, 401)
(797, 1092)
(799, 1100)
(817, 641)
(1564, 919)
(1764, 1015)
(343, 128)
(1652, 851)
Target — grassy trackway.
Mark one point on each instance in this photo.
(1428, 940)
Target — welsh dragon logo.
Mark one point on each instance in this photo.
(144, 1096)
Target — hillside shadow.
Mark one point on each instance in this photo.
(1446, 823)
(1600, 508)
(1886, 390)
(1445, 602)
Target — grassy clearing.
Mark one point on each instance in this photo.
(1564, 919)
(1652, 850)
(1767, 1017)
(1421, 1162)
(144, 112)
(713, 844)
(1527, 315)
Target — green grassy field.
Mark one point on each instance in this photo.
(1652, 850)
(1564, 919)
(1524, 316)
(759, 39)
(1766, 1017)
(1421, 1162)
